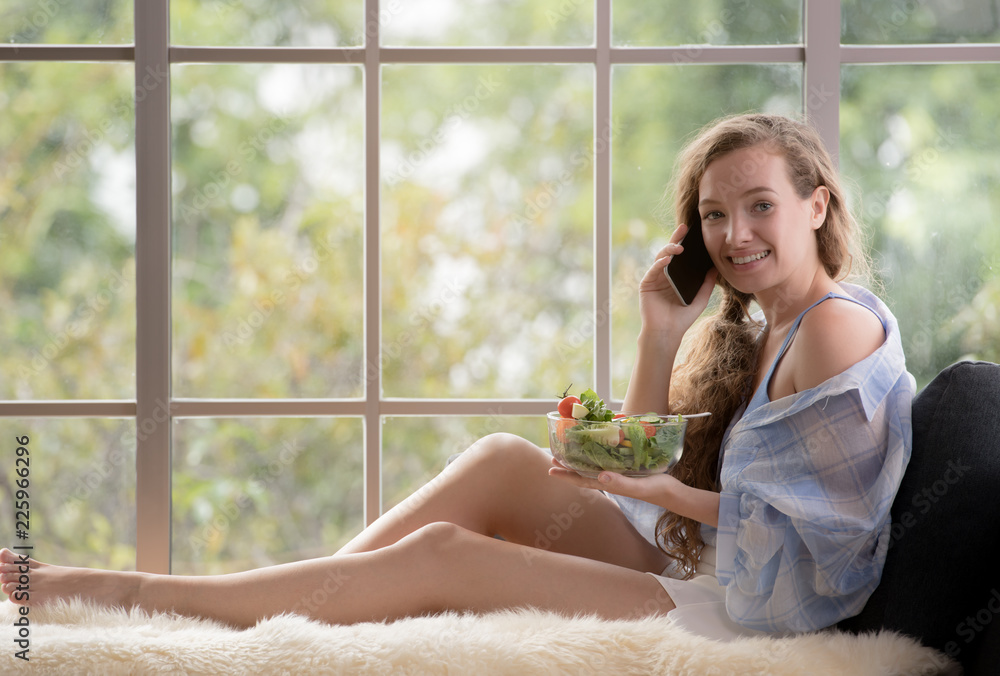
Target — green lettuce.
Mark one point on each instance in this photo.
(594, 404)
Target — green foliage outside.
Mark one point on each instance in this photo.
(487, 250)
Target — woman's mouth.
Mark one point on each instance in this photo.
(742, 260)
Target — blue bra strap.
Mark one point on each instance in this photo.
(795, 325)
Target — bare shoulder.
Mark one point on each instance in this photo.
(833, 336)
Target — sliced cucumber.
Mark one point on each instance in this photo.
(602, 433)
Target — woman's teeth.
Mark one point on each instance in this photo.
(747, 259)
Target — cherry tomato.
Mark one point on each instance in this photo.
(565, 407)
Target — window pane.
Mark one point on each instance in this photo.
(487, 230)
(711, 22)
(415, 449)
(487, 22)
(913, 22)
(267, 23)
(67, 231)
(81, 489)
(920, 143)
(67, 21)
(656, 123)
(249, 493)
(268, 196)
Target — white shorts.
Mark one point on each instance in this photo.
(701, 603)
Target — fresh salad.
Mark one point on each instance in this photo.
(589, 437)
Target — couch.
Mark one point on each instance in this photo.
(941, 581)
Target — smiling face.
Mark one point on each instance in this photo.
(760, 233)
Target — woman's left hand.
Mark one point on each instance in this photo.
(658, 489)
(662, 490)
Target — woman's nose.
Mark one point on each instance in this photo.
(738, 231)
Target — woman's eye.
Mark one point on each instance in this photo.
(762, 206)
(712, 215)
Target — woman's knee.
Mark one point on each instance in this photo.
(444, 563)
(439, 538)
(502, 451)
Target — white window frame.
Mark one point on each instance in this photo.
(154, 408)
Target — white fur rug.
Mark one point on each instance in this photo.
(76, 638)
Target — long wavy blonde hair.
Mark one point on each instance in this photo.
(723, 357)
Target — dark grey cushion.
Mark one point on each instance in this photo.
(941, 581)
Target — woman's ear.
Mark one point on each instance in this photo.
(819, 201)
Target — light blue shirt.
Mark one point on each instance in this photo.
(807, 482)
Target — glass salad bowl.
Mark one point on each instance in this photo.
(633, 445)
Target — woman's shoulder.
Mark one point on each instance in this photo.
(833, 336)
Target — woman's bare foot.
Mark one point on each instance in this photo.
(31, 583)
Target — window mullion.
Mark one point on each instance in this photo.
(603, 128)
(373, 272)
(821, 88)
(152, 253)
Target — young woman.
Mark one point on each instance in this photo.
(775, 519)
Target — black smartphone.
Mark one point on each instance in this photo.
(687, 270)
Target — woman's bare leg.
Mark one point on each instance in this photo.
(407, 563)
(501, 486)
(439, 567)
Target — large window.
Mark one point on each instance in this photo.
(267, 265)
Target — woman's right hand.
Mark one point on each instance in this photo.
(662, 312)
(665, 320)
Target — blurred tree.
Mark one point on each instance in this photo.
(263, 23)
(67, 21)
(918, 145)
(928, 21)
(710, 22)
(67, 296)
(268, 263)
